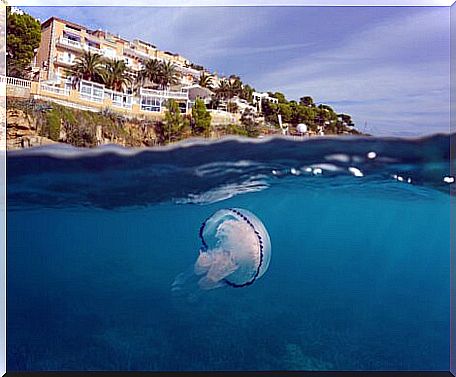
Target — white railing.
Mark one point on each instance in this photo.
(91, 91)
(188, 70)
(14, 81)
(92, 49)
(55, 89)
(138, 53)
(164, 93)
(119, 99)
(64, 60)
(69, 42)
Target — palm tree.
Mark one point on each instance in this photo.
(151, 72)
(116, 75)
(168, 75)
(205, 81)
(223, 90)
(235, 87)
(87, 67)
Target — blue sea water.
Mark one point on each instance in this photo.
(358, 280)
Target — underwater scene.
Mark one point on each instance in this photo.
(279, 254)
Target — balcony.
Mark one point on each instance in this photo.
(137, 53)
(91, 91)
(93, 50)
(55, 90)
(164, 93)
(64, 61)
(118, 99)
(69, 43)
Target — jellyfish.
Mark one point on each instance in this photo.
(235, 252)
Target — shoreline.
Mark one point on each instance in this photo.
(67, 150)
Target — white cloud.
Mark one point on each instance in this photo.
(393, 82)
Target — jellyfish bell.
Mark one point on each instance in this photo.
(235, 252)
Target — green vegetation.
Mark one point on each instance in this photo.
(247, 93)
(176, 126)
(116, 75)
(206, 81)
(158, 73)
(22, 39)
(249, 123)
(88, 67)
(321, 117)
(168, 75)
(51, 128)
(201, 119)
(80, 128)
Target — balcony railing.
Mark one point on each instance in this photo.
(55, 89)
(70, 42)
(62, 60)
(90, 91)
(140, 54)
(119, 99)
(164, 93)
(93, 50)
(13, 81)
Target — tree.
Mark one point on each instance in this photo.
(279, 96)
(201, 119)
(116, 75)
(175, 124)
(22, 39)
(249, 123)
(247, 93)
(168, 75)
(205, 81)
(306, 101)
(150, 72)
(223, 91)
(286, 111)
(347, 119)
(234, 86)
(270, 111)
(87, 67)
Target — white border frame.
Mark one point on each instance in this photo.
(182, 3)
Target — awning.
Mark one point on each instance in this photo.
(67, 34)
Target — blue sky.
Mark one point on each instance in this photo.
(387, 66)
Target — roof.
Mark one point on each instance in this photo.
(50, 20)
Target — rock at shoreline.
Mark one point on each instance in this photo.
(21, 131)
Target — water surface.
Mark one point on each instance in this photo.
(359, 276)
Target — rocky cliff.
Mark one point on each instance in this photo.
(32, 123)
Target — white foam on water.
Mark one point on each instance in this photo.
(371, 155)
(355, 171)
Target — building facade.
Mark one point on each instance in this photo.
(63, 42)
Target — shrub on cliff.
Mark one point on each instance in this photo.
(176, 126)
(249, 123)
(52, 126)
(201, 119)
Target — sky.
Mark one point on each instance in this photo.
(388, 67)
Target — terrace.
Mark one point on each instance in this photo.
(71, 43)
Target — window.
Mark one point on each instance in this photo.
(150, 104)
(91, 91)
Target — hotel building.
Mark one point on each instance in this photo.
(63, 42)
